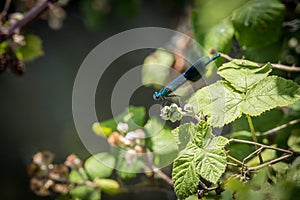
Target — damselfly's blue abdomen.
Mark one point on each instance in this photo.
(192, 74)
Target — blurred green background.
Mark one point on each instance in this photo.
(36, 111)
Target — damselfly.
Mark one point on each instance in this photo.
(191, 74)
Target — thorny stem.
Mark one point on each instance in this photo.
(277, 66)
(254, 136)
(278, 128)
(30, 15)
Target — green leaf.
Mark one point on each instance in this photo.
(32, 49)
(243, 74)
(223, 104)
(269, 93)
(108, 186)
(128, 170)
(78, 176)
(156, 68)
(133, 116)
(184, 174)
(204, 156)
(219, 37)
(182, 134)
(258, 23)
(162, 142)
(3, 47)
(100, 165)
(219, 102)
(267, 155)
(242, 190)
(85, 193)
(102, 129)
(207, 14)
(294, 140)
(153, 127)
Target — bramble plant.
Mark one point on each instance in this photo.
(257, 155)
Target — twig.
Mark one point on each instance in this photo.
(30, 15)
(235, 160)
(269, 163)
(163, 176)
(157, 171)
(276, 66)
(261, 145)
(257, 151)
(205, 186)
(5, 9)
(278, 128)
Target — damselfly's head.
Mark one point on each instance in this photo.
(156, 96)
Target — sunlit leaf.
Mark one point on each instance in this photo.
(204, 156)
(222, 104)
(184, 175)
(219, 102)
(258, 23)
(182, 134)
(243, 74)
(269, 93)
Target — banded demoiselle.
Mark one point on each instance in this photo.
(191, 74)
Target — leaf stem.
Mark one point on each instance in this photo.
(292, 68)
(254, 136)
(30, 15)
